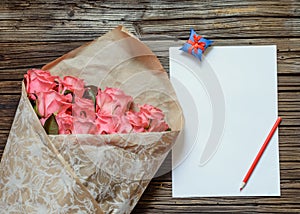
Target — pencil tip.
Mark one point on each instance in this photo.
(242, 186)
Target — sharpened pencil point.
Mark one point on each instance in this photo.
(242, 186)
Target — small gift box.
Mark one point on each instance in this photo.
(90, 173)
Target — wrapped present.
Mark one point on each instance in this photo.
(90, 173)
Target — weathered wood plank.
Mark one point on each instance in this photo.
(113, 10)
(10, 87)
(245, 27)
(253, 208)
(165, 191)
(162, 10)
(85, 20)
(162, 195)
(240, 27)
(158, 194)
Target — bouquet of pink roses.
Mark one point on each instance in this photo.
(79, 142)
(68, 106)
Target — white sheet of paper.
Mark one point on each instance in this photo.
(229, 100)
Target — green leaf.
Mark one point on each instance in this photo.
(93, 88)
(68, 92)
(35, 108)
(51, 125)
(90, 93)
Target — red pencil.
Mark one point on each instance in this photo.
(261, 151)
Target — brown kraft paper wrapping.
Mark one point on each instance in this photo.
(42, 173)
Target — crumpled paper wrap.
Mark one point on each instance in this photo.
(42, 173)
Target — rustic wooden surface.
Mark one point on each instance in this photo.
(33, 33)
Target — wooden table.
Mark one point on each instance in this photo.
(33, 33)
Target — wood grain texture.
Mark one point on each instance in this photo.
(32, 33)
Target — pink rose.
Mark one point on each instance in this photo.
(112, 101)
(39, 81)
(50, 102)
(151, 112)
(124, 125)
(148, 119)
(109, 124)
(65, 123)
(84, 126)
(103, 103)
(155, 117)
(136, 121)
(72, 84)
(69, 125)
(157, 126)
(84, 108)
